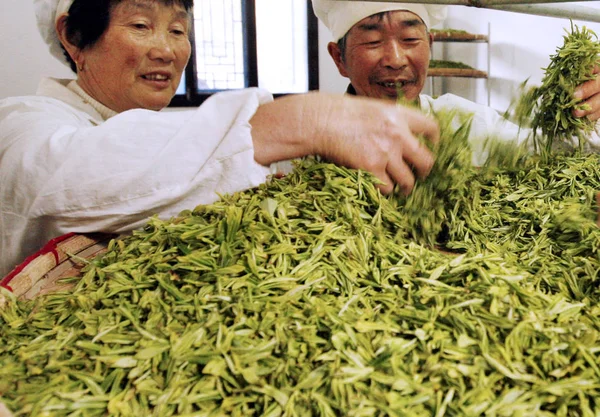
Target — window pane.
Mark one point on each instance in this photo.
(281, 27)
(181, 87)
(219, 44)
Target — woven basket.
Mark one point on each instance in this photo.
(41, 272)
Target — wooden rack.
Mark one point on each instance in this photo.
(450, 35)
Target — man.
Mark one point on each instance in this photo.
(385, 48)
(380, 45)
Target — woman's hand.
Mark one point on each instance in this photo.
(369, 134)
(589, 93)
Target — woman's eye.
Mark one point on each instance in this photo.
(140, 25)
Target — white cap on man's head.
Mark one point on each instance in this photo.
(47, 13)
(339, 16)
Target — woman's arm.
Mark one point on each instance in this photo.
(112, 177)
(374, 135)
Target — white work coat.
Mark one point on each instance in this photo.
(65, 169)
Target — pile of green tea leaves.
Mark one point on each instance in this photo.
(438, 63)
(314, 295)
(448, 32)
(548, 108)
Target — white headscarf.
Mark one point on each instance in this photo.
(47, 13)
(339, 16)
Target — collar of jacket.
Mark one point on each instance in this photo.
(104, 111)
(58, 89)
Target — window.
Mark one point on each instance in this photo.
(236, 44)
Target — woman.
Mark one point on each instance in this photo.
(94, 154)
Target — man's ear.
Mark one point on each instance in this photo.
(334, 50)
(73, 51)
(430, 40)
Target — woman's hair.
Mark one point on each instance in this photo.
(88, 20)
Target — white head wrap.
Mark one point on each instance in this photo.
(339, 16)
(47, 13)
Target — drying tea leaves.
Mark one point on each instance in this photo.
(456, 35)
(309, 296)
(448, 32)
(314, 295)
(437, 63)
(548, 108)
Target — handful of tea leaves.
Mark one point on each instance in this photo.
(425, 209)
(549, 107)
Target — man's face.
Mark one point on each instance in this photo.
(383, 51)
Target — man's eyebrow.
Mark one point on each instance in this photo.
(413, 22)
(368, 26)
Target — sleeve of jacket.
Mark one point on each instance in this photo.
(112, 177)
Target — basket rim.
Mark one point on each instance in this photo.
(55, 252)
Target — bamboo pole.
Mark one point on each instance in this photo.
(534, 7)
(476, 3)
(588, 14)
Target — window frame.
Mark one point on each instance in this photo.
(194, 98)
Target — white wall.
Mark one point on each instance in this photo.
(520, 47)
(329, 78)
(25, 58)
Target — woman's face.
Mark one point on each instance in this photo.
(138, 61)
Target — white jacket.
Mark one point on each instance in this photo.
(65, 169)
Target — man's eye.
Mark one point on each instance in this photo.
(140, 26)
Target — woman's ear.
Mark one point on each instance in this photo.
(73, 50)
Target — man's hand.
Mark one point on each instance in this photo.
(589, 93)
